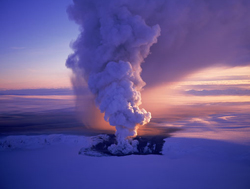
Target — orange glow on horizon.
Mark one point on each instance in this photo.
(36, 80)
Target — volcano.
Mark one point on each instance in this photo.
(144, 145)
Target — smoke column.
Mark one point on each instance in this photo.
(116, 36)
(108, 53)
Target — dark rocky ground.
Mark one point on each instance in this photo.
(146, 145)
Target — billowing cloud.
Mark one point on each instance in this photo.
(172, 38)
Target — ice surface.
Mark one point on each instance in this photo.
(185, 163)
(39, 141)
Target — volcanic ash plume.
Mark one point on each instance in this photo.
(108, 52)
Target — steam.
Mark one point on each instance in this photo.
(116, 36)
(108, 53)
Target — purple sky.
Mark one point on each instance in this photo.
(204, 48)
(35, 37)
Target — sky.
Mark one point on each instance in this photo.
(35, 43)
(35, 38)
(198, 72)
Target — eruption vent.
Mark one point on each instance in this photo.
(108, 53)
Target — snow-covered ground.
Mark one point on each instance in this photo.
(207, 150)
(52, 161)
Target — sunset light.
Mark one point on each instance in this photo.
(125, 94)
